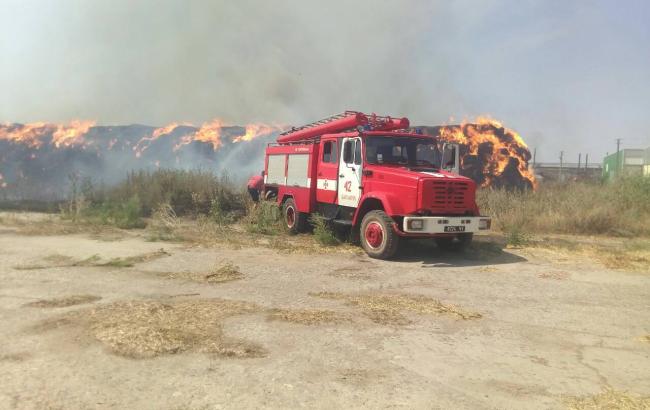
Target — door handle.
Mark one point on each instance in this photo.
(341, 176)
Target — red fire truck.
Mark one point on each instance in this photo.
(373, 174)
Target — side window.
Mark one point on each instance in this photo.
(347, 152)
(334, 159)
(327, 152)
(357, 152)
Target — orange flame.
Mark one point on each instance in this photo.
(144, 143)
(33, 134)
(505, 144)
(210, 132)
(28, 134)
(72, 134)
(255, 130)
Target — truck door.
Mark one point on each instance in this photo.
(349, 191)
(327, 175)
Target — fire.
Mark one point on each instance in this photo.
(28, 134)
(496, 148)
(210, 132)
(34, 135)
(144, 143)
(71, 134)
(255, 130)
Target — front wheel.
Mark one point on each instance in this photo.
(455, 244)
(294, 220)
(377, 236)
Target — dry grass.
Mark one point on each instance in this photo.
(645, 338)
(556, 275)
(225, 273)
(620, 208)
(15, 357)
(130, 261)
(388, 308)
(618, 254)
(63, 301)
(351, 272)
(308, 316)
(146, 329)
(39, 224)
(64, 261)
(609, 400)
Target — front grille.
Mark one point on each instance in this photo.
(448, 194)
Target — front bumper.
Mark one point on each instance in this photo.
(446, 224)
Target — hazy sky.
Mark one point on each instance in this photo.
(568, 75)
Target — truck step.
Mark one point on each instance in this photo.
(344, 222)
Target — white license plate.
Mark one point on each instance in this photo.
(454, 229)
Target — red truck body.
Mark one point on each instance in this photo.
(352, 168)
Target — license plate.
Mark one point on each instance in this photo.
(454, 229)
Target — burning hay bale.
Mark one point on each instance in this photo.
(146, 329)
(388, 308)
(490, 154)
(63, 301)
(307, 316)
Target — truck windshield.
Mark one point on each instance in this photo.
(412, 152)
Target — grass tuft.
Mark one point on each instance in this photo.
(146, 329)
(263, 218)
(307, 316)
(323, 233)
(609, 400)
(63, 301)
(388, 308)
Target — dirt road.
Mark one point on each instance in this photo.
(120, 323)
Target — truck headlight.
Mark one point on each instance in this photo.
(484, 224)
(415, 224)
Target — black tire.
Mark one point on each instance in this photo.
(294, 220)
(377, 236)
(455, 244)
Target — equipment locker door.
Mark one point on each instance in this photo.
(349, 191)
(327, 174)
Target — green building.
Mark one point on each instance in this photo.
(626, 161)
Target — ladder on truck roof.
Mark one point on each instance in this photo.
(321, 122)
(345, 121)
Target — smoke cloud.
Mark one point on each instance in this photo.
(565, 75)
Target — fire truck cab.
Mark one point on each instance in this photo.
(374, 174)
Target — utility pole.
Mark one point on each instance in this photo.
(618, 156)
(561, 163)
(586, 161)
(579, 161)
(534, 156)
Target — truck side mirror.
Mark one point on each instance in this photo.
(450, 158)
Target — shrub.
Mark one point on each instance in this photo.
(187, 192)
(125, 215)
(263, 217)
(322, 232)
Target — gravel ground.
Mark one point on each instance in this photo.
(543, 327)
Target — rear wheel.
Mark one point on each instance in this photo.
(455, 244)
(377, 236)
(294, 220)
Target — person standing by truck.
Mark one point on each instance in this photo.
(255, 186)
